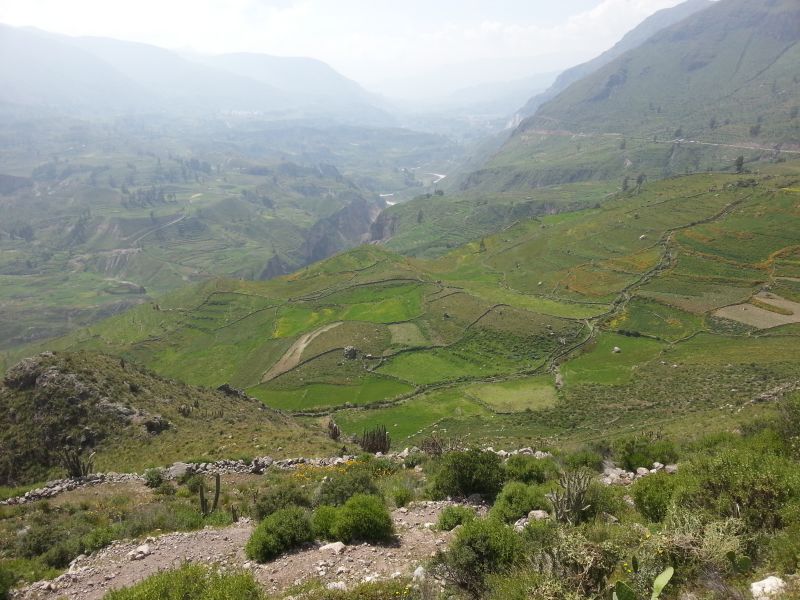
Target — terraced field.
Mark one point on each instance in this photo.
(583, 324)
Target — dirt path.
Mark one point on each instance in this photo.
(89, 578)
(292, 356)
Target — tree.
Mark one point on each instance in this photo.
(626, 183)
(420, 216)
(640, 179)
(739, 164)
(482, 246)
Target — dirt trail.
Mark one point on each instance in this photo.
(292, 356)
(89, 578)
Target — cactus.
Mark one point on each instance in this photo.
(74, 463)
(570, 503)
(376, 440)
(204, 509)
(334, 432)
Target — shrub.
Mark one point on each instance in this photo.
(363, 518)
(653, 495)
(402, 495)
(339, 487)
(480, 548)
(153, 478)
(738, 482)
(282, 495)
(529, 469)
(584, 459)
(529, 585)
(283, 530)
(784, 550)
(470, 472)
(7, 579)
(455, 515)
(322, 521)
(516, 500)
(192, 581)
(379, 590)
(644, 450)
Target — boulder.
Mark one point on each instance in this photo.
(419, 574)
(334, 547)
(140, 552)
(538, 515)
(337, 585)
(178, 470)
(771, 587)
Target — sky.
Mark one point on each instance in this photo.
(374, 42)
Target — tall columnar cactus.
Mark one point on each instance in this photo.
(204, 509)
(375, 440)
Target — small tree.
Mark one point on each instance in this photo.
(75, 463)
(739, 164)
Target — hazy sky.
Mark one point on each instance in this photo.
(368, 40)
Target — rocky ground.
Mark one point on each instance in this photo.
(125, 563)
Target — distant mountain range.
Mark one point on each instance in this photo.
(86, 75)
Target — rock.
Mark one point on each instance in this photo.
(419, 574)
(178, 470)
(475, 499)
(538, 515)
(337, 585)
(350, 352)
(140, 552)
(657, 466)
(642, 471)
(617, 350)
(771, 587)
(335, 547)
(671, 469)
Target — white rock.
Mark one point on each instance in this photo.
(641, 471)
(140, 552)
(337, 585)
(419, 574)
(617, 350)
(538, 515)
(771, 587)
(671, 469)
(335, 547)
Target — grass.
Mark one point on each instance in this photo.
(601, 365)
(518, 395)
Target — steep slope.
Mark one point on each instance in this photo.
(633, 39)
(130, 417)
(719, 84)
(716, 75)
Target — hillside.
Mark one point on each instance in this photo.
(636, 37)
(514, 332)
(131, 417)
(693, 97)
(114, 213)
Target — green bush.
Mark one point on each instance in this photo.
(466, 473)
(742, 483)
(784, 550)
(529, 469)
(516, 500)
(455, 515)
(480, 548)
(383, 590)
(402, 495)
(281, 495)
(153, 478)
(652, 495)
(192, 582)
(584, 459)
(339, 487)
(644, 450)
(283, 530)
(7, 580)
(529, 585)
(322, 521)
(363, 518)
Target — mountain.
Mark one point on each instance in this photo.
(716, 75)
(91, 74)
(39, 69)
(693, 97)
(633, 39)
(131, 417)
